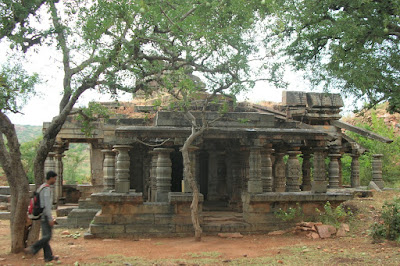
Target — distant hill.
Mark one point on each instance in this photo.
(27, 133)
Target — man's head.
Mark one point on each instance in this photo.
(51, 177)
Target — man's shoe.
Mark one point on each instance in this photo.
(55, 258)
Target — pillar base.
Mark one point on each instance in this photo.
(379, 183)
(255, 186)
(122, 187)
(319, 186)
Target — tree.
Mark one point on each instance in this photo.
(124, 45)
(349, 45)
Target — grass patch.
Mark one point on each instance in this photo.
(211, 254)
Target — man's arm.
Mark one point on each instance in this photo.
(47, 202)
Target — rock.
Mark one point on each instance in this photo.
(230, 235)
(325, 231)
(65, 233)
(277, 233)
(313, 235)
(346, 227)
(2, 259)
(279, 261)
(341, 232)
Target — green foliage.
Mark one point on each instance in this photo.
(28, 153)
(389, 225)
(16, 86)
(90, 114)
(391, 152)
(77, 164)
(349, 45)
(333, 216)
(290, 214)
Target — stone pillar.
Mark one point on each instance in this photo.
(193, 163)
(49, 164)
(306, 171)
(293, 172)
(222, 188)
(122, 183)
(319, 185)
(355, 170)
(255, 185)
(266, 169)
(334, 170)
(153, 176)
(212, 175)
(108, 170)
(59, 169)
(279, 175)
(163, 172)
(96, 167)
(377, 170)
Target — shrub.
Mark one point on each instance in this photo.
(334, 216)
(389, 223)
(290, 214)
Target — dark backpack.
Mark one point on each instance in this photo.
(34, 209)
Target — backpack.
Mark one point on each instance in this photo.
(34, 209)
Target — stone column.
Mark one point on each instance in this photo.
(293, 172)
(266, 169)
(122, 183)
(153, 176)
(280, 175)
(49, 164)
(163, 172)
(334, 170)
(255, 185)
(306, 171)
(319, 185)
(59, 169)
(193, 163)
(108, 170)
(377, 170)
(222, 188)
(355, 170)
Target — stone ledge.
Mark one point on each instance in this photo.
(182, 197)
(300, 196)
(133, 197)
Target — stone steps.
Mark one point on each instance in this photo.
(5, 215)
(217, 222)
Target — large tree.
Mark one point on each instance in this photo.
(348, 45)
(124, 45)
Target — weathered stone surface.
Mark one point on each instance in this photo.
(377, 170)
(294, 98)
(325, 231)
(109, 229)
(315, 99)
(374, 186)
(150, 229)
(277, 233)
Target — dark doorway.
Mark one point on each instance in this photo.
(177, 171)
(203, 173)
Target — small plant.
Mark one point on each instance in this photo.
(334, 216)
(290, 214)
(389, 225)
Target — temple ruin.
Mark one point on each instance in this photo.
(252, 161)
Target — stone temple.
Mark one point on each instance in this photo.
(251, 162)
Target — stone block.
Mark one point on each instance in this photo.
(315, 99)
(64, 211)
(5, 198)
(150, 229)
(325, 231)
(309, 207)
(103, 219)
(262, 207)
(319, 186)
(164, 219)
(5, 190)
(109, 229)
(134, 219)
(80, 213)
(185, 228)
(294, 98)
(254, 186)
(182, 208)
(88, 204)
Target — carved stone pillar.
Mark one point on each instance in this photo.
(122, 183)
(163, 172)
(193, 167)
(266, 169)
(49, 164)
(306, 171)
(377, 170)
(293, 172)
(280, 175)
(59, 169)
(319, 185)
(153, 176)
(255, 185)
(334, 170)
(108, 170)
(355, 170)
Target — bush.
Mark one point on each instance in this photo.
(290, 214)
(388, 226)
(334, 216)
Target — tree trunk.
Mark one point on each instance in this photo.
(10, 160)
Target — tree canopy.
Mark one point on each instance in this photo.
(350, 45)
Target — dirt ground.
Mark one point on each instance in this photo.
(355, 249)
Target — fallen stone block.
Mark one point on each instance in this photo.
(313, 235)
(325, 231)
(374, 186)
(277, 233)
(230, 235)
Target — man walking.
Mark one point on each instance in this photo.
(47, 221)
